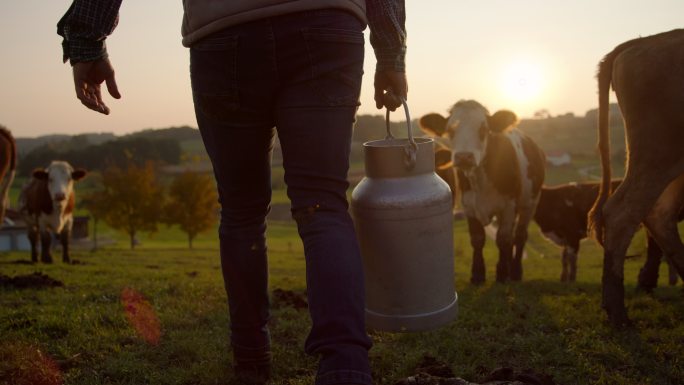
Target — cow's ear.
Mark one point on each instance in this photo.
(78, 174)
(433, 124)
(502, 120)
(40, 174)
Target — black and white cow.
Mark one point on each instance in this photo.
(500, 173)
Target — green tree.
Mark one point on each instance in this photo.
(131, 200)
(192, 204)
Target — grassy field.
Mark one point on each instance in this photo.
(83, 332)
(158, 315)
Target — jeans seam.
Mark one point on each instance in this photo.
(274, 51)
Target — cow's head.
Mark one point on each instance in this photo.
(60, 178)
(468, 128)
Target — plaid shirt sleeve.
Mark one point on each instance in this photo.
(386, 19)
(85, 26)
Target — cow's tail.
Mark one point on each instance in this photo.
(6, 182)
(605, 75)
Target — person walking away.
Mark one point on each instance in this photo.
(257, 66)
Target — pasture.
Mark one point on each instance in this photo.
(158, 314)
(174, 330)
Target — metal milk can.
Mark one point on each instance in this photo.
(403, 217)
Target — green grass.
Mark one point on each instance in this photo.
(539, 324)
(80, 334)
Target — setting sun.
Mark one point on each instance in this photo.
(522, 81)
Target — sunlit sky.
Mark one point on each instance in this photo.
(523, 55)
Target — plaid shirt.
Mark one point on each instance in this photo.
(87, 23)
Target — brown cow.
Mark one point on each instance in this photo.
(647, 75)
(8, 166)
(500, 173)
(562, 218)
(47, 204)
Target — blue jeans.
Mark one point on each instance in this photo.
(300, 73)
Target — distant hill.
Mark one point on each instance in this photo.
(97, 151)
(575, 134)
(183, 133)
(26, 145)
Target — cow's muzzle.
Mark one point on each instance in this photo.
(60, 197)
(464, 160)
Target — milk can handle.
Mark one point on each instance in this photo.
(411, 147)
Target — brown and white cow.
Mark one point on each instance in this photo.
(647, 75)
(562, 218)
(8, 166)
(500, 173)
(47, 203)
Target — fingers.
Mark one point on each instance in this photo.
(88, 76)
(391, 100)
(378, 98)
(91, 97)
(391, 88)
(112, 87)
(380, 84)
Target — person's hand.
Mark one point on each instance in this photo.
(88, 76)
(391, 87)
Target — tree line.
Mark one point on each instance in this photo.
(78, 151)
(133, 200)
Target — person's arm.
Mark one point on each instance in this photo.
(386, 19)
(84, 27)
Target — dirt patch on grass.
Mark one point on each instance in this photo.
(18, 262)
(524, 376)
(432, 366)
(23, 364)
(431, 371)
(35, 280)
(288, 298)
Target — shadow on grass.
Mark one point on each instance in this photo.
(547, 327)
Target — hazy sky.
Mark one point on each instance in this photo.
(523, 55)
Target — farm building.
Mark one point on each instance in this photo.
(558, 158)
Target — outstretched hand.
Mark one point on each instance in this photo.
(88, 77)
(391, 87)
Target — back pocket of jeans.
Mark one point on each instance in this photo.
(214, 77)
(336, 61)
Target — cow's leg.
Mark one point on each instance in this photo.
(477, 241)
(623, 212)
(64, 237)
(33, 240)
(45, 242)
(519, 241)
(573, 250)
(662, 223)
(565, 263)
(504, 241)
(620, 226)
(671, 273)
(648, 275)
